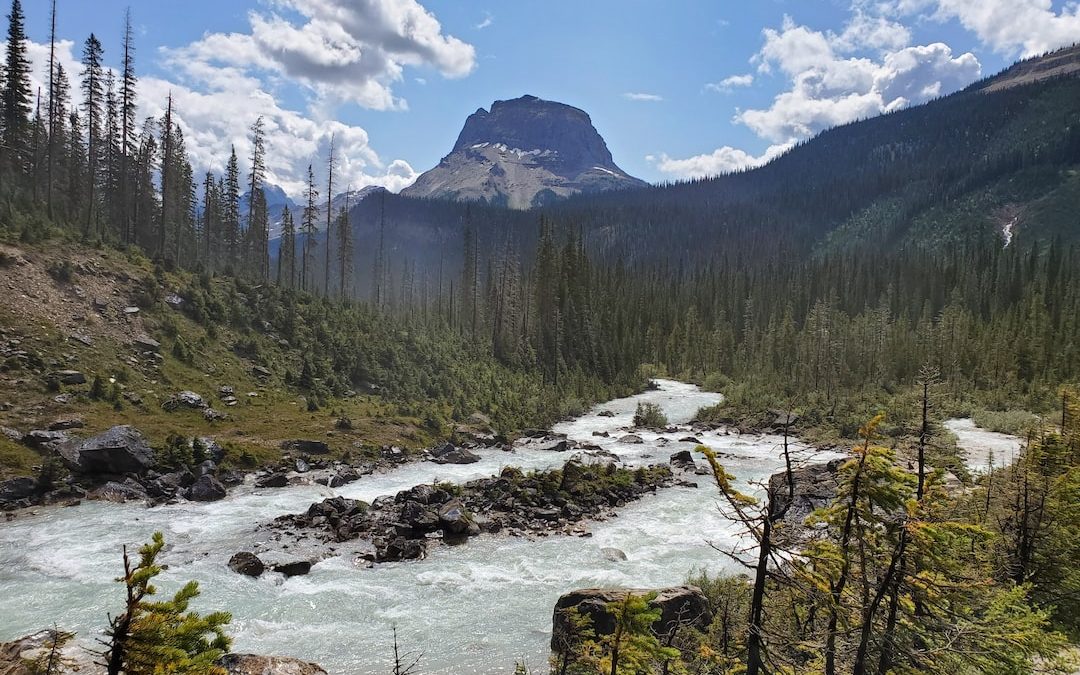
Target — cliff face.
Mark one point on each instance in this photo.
(524, 152)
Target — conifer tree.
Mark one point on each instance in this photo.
(126, 122)
(92, 90)
(329, 213)
(231, 215)
(162, 636)
(286, 273)
(16, 93)
(309, 230)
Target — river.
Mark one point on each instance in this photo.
(474, 608)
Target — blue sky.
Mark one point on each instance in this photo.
(678, 89)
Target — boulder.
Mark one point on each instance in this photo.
(274, 480)
(260, 372)
(247, 563)
(167, 485)
(682, 460)
(400, 548)
(184, 399)
(424, 494)
(14, 489)
(45, 440)
(293, 568)
(613, 554)
(207, 489)
(306, 447)
(815, 487)
(562, 446)
(457, 456)
(418, 517)
(454, 519)
(20, 656)
(119, 450)
(690, 439)
(606, 413)
(65, 423)
(146, 343)
(68, 377)
(343, 476)
(632, 439)
(253, 664)
(113, 491)
(679, 606)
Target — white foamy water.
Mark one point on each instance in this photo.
(474, 608)
(979, 445)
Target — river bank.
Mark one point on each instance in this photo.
(472, 609)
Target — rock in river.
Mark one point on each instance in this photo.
(454, 519)
(247, 563)
(207, 489)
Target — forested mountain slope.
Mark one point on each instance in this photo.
(964, 167)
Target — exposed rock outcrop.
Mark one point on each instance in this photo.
(679, 606)
(400, 527)
(253, 664)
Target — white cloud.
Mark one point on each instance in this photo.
(488, 20)
(341, 51)
(728, 84)
(827, 89)
(1024, 27)
(720, 161)
(639, 96)
(214, 119)
(866, 69)
(866, 31)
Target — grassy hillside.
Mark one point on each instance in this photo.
(297, 366)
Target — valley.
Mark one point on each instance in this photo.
(274, 403)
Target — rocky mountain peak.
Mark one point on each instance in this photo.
(524, 152)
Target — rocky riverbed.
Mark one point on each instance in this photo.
(473, 609)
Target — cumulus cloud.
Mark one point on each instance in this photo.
(640, 96)
(728, 84)
(1024, 27)
(720, 161)
(340, 50)
(865, 69)
(212, 120)
(828, 88)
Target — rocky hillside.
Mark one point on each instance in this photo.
(91, 339)
(524, 152)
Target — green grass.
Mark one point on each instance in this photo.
(16, 459)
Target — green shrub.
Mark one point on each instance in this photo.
(649, 415)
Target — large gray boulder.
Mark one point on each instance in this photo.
(113, 491)
(253, 664)
(247, 563)
(207, 489)
(119, 450)
(14, 489)
(815, 487)
(679, 606)
(454, 518)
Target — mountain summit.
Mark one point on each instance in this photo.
(524, 152)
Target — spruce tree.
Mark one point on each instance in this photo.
(92, 89)
(16, 93)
